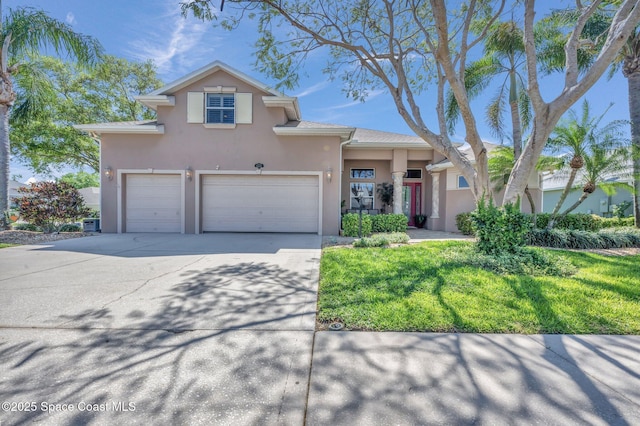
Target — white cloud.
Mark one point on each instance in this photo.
(312, 89)
(371, 95)
(175, 44)
(71, 18)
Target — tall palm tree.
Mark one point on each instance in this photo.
(582, 139)
(631, 70)
(23, 33)
(504, 58)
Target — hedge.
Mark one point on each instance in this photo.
(577, 239)
(350, 225)
(389, 223)
(574, 221)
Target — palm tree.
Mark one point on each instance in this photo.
(503, 56)
(24, 32)
(599, 164)
(631, 70)
(583, 141)
(551, 55)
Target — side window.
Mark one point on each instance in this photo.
(462, 182)
(220, 109)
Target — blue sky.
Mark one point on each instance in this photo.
(154, 29)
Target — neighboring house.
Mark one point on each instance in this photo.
(597, 203)
(229, 154)
(13, 192)
(91, 196)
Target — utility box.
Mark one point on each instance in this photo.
(604, 205)
(91, 225)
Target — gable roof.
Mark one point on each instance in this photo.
(207, 70)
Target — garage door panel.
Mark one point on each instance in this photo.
(264, 203)
(154, 203)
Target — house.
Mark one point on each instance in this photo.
(14, 185)
(230, 154)
(91, 197)
(598, 202)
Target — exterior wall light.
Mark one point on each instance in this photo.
(258, 167)
(108, 172)
(189, 173)
(329, 174)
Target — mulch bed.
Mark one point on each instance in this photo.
(30, 237)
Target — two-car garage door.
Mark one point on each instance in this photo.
(260, 203)
(229, 203)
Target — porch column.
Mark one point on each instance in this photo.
(397, 191)
(435, 195)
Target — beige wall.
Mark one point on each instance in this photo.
(192, 145)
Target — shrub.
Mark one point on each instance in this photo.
(465, 223)
(350, 224)
(382, 240)
(523, 261)
(499, 230)
(614, 222)
(389, 223)
(70, 227)
(26, 227)
(49, 205)
(574, 239)
(577, 221)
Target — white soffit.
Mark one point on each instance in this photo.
(154, 101)
(290, 105)
(143, 129)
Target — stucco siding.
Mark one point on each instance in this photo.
(590, 205)
(192, 145)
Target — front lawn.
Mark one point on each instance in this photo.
(419, 288)
(3, 245)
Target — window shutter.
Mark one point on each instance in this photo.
(195, 107)
(244, 107)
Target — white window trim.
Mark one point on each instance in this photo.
(120, 199)
(373, 197)
(200, 173)
(362, 168)
(221, 108)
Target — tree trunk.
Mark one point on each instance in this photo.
(563, 196)
(576, 204)
(516, 125)
(633, 85)
(532, 204)
(4, 164)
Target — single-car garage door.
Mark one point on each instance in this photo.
(260, 203)
(153, 203)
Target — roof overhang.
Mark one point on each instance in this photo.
(137, 129)
(439, 167)
(290, 105)
(345, 133)
(387, 145)
(209, 69)
(154, 101)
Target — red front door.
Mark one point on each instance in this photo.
(411, 196)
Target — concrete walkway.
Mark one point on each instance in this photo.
(457, 379)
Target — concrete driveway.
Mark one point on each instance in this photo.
(158, 329)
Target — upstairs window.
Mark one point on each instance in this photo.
(220, 108)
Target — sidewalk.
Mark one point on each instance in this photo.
(361, 378)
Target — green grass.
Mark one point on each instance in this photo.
(3, 245)
(420, 288)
